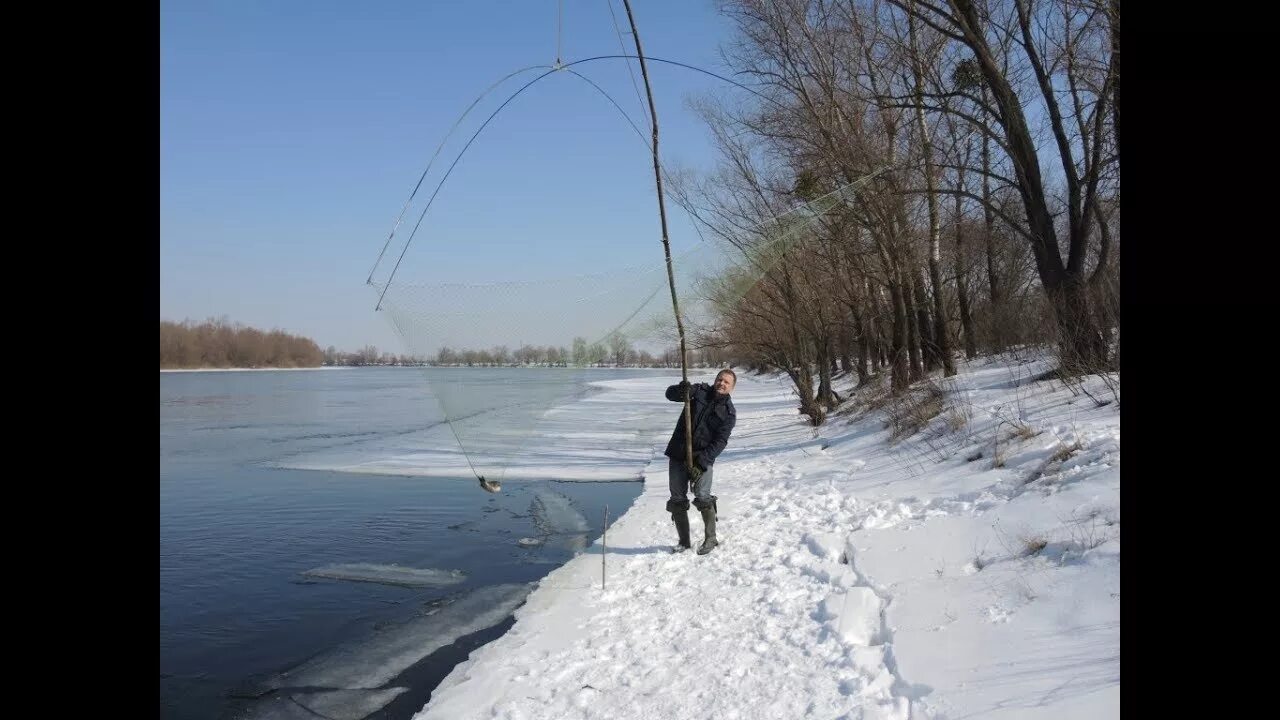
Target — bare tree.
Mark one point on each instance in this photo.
(1050, 38)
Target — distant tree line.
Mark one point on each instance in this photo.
(217, 343)
(615, 351)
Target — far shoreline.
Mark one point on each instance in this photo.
(264, 369)
(416, 367)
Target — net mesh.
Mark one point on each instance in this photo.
(614, 317)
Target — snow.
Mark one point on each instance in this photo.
(969, 570)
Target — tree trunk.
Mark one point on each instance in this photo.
(940, 346)
(864, 343)
(929, 352)
(846, 348)
(914, 355)
(826, 396)
(873, 335)
(962, 280)
(900, 372)
(802, 378)
(1115, 87)
(1081, 344)
(998, 339)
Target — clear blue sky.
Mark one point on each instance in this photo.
(292, 131)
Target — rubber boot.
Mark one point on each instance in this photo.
(682, 529)
(709, 520)
(680, 515)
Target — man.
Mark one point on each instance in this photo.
(713, 419)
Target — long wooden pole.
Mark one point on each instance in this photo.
(666, 244)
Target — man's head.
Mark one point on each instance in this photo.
(725, 380)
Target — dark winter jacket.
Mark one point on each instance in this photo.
(713, 419)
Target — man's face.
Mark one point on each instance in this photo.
(724, 383)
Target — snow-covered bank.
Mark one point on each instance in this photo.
(970, 570)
